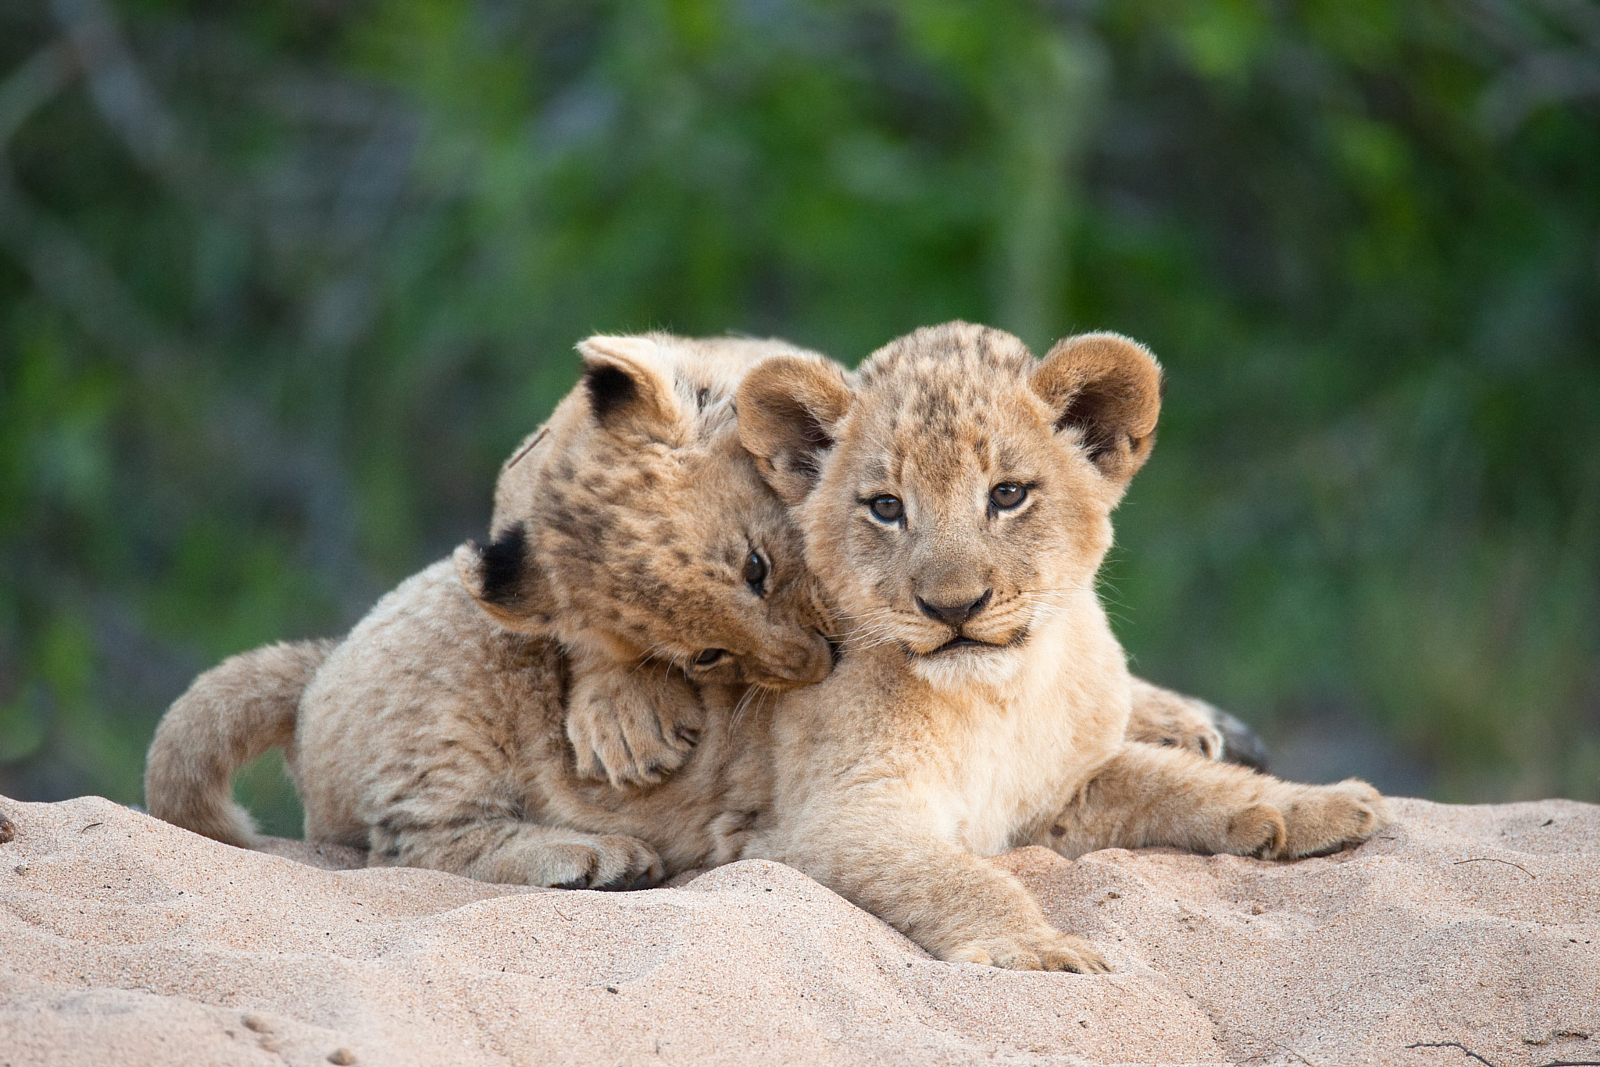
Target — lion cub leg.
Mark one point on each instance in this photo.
(519, 853)
(957, 906)
(981, 915)
(1151, 795)
(630, 725)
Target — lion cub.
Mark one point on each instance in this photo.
(632, 529)
(620, 525)
(631, 535)
(955, 497)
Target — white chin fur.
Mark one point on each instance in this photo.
(964, 667)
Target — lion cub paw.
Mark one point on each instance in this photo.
(1041, 951)
(630, 728)
(1162, 717)
(1308, 820)
(1320, 819)
(612, 861)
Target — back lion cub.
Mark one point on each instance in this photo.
(628, 535)
(631, 528)
(955, 497)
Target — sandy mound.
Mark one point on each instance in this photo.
(127, 941)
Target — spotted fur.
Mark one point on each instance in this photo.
(639, 511)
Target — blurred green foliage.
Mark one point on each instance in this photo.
(282, 282)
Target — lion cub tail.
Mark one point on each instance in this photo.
(230, 715)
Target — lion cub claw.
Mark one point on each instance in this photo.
(630, 728)
(1042, 951)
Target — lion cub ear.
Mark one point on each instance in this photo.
(788, 407)
(1108, 389)
(504, 579)
(630, 387)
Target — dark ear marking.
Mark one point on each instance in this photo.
(629, 384)
(816, 441)
(503, 560)
(788, 407)
(1107, 390)
(1088, 413)
(504, 578)
(610, 389)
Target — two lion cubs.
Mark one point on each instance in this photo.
(941, 514)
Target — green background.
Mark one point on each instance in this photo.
(282, 283)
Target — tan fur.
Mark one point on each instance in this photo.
(619, 537)
(435, 734)
(230, 715)
(1159, 716)
(622, 515)
(918, 755)
(434, 737)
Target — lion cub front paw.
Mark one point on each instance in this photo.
(1046, 950)
(1327, 818)
(1309, 820)
(612, 861)
(632, 729)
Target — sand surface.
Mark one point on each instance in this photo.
(127, 941)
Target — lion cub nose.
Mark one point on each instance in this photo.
(955, 614)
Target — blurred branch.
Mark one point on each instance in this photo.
(60, 266)
(1582, 17)
(35, 84)
(1536, 81)
(1046, 106)
(68, 274)
(126, 100)
(1553, 48)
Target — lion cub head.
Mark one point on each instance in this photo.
(634, 524)
(955, 493)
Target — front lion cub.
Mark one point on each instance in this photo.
(955, 498)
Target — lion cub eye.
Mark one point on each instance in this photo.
(755, 573)
(710, 656)
(1008, 495)
(887, 508)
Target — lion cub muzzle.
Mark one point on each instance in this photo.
(803, 661)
